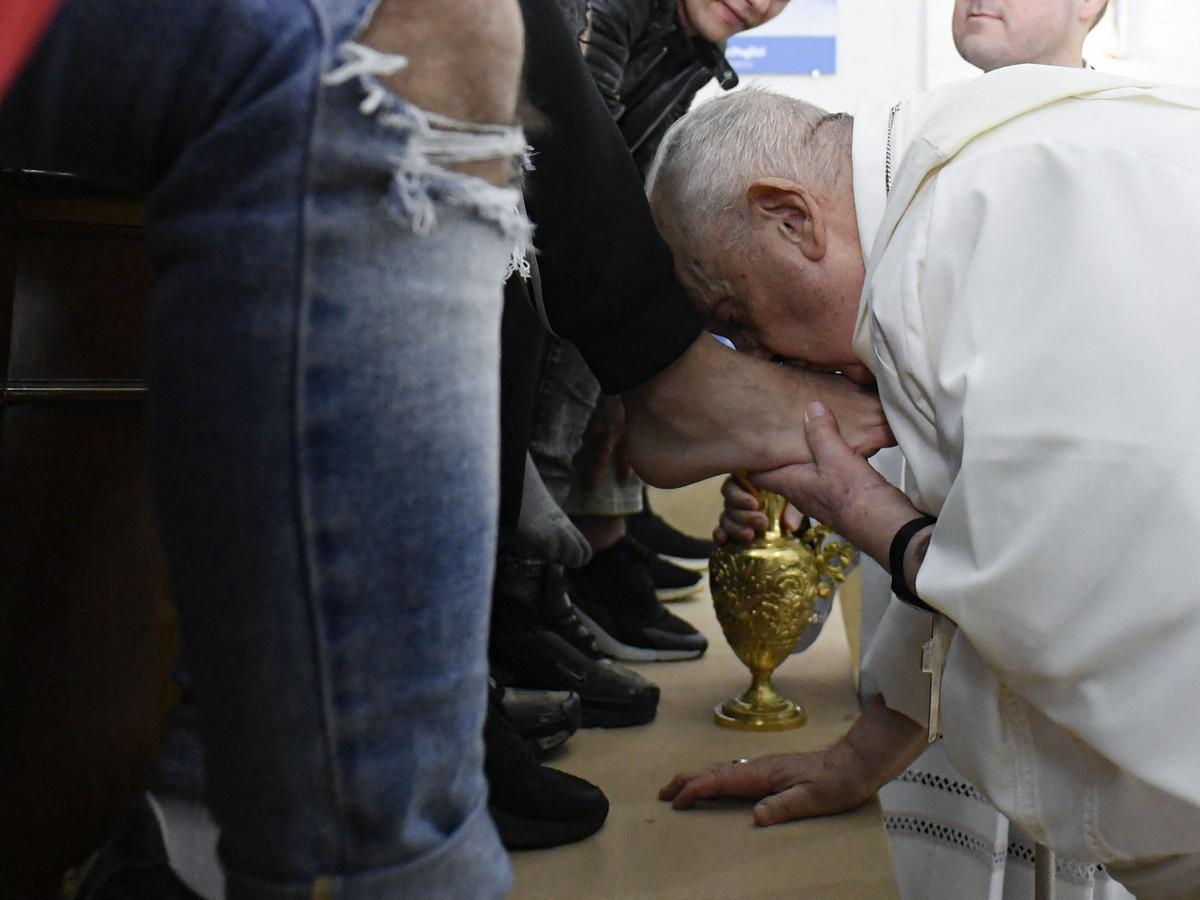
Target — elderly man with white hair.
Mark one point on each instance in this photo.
(1012, 259)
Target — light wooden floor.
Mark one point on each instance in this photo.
(646, 849)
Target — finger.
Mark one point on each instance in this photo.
(691, 792)
(744, 501)
(735, 532)
(737, 496)
(794, 482)
(746, 518)
(719, 535)
(871, 440)
(677, 782)
(824, 437)
(740, 531)
(742, 477)
(724, 780)
(792, 518)
(797, 802)
(826, 795)
(671, 788)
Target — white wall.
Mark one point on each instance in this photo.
(879, 55)
(1160, 40)
(893, 48)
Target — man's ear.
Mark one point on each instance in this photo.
(792, 208)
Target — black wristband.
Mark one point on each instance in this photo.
(896, 561)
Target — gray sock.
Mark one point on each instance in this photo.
(544, 531)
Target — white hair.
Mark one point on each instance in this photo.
(710, 157)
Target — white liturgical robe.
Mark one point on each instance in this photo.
(1032, 313)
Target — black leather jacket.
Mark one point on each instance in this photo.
(647, 68)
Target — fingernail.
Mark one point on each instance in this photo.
(815, 410)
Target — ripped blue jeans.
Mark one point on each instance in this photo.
(322, 358)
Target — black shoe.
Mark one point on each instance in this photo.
(671, 544)
(544, 719)
(133, 864)
(534, 806)
(672, 582)
(614, 595)
(543, 645)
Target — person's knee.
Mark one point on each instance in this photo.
(463, 61)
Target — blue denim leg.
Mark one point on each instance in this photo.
(322, 360)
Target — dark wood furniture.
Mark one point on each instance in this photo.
(84, 628)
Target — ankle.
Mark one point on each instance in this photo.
(601, 532)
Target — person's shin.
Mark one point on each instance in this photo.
(325, 449)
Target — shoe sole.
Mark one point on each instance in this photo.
(610, 646)
(684, 562)
(617, 714)
(520, 833)
(666, 595)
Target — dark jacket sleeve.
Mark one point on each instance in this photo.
(607, 276)
(609, 31)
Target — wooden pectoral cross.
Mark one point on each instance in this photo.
(933, 663)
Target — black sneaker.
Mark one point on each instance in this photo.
(133, 865)
(614, 596)
(673, 545)
(532, 805)
(672, 582)
(543, 645)
(544, 719)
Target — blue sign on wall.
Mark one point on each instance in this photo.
(802, 40)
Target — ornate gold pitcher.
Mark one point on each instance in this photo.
(766, 594)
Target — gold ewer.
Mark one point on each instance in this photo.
(766, 596)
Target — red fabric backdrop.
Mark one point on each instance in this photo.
(21, 24)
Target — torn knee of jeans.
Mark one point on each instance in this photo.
(433, 149)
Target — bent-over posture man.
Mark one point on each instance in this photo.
(331, 203)
(974, 251)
